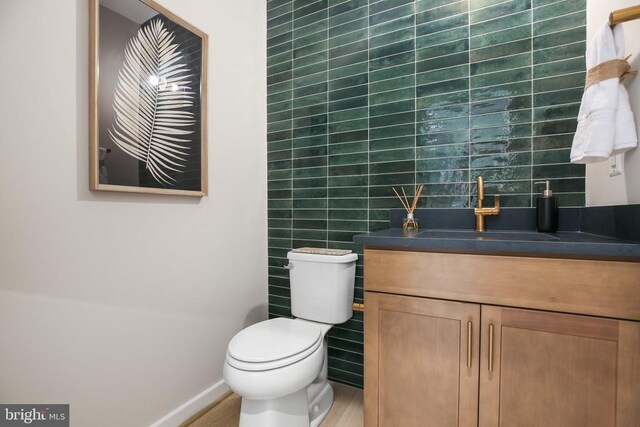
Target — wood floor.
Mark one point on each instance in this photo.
(345, 412)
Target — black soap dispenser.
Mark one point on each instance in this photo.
(547, 210)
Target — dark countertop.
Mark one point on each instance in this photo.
(451, 230)
(564, 244)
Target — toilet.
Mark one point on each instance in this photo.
(279, 366)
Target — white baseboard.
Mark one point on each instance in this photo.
(192, 406)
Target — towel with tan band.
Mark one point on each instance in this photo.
(615, 68)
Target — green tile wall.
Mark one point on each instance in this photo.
(364, 95)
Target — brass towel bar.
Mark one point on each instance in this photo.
(623, 15)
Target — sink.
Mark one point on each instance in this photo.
(530, 236)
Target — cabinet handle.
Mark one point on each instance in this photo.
(469, 327)
(490, 348)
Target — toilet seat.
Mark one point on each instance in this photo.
(273, 344)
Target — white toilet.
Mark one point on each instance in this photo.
(279, 366)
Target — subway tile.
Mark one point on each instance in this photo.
(392, 60)
(391, 14)
(354, 113)
(558, 9)
(551, 157)
(502, 104)
(407, 154)
(310, 49)
(558, 97)
(392, 72)
(364, 95)
(348, 103)
(443, 125)
(407, 141)
(501, 132)
(392, 119)
(349, 49)
(344, 39)
(500, 160)
(501, 146)
(500, 77)
(492, 66)
(428, 39)
(499, 11)
(349, 92)
(390, 108)
(547, 142)
(505, 22)
(442, 62)
(574, 20)
(389, 27)
(310, 39)
(507, 35)
(349, 70)
(554, 127)
(502, 173)
(381, 6)
(349, 125)
(443, 177)
(391, 96)
(501, 91)
(558, 171)
(560, 38)
(448, 48)
(437, 151)
(392, 84)
(424, 28)
(436, 13)
(441, 100)
(574, 80)
(348, 27)
(504, 49)
(346, 6)
(349, 59)
(442, 87)
(452, 137)
(390, 38)
(448, 163)
(392, 131)
(346, 17)
(502, 118)
(559, 53)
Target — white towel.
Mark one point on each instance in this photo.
(606, 125)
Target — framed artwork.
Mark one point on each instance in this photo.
(148, 92)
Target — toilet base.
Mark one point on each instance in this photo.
(293, 410)
(286, 411)
(319, 408)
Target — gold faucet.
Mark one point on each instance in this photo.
(481, 211)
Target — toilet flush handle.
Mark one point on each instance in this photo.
(288, 266)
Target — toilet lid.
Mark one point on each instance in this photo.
(274, 339)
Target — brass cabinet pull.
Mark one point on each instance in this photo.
(490, 348)
(469, 344)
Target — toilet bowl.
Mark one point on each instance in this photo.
(279, 366)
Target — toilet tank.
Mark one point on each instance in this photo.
(322, 286)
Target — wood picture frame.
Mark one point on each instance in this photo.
(147, 100)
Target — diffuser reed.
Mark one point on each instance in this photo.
(409, 221)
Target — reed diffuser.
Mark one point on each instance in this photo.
(409, 222)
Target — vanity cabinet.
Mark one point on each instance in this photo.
(481, 340)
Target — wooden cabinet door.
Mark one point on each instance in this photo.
(558, 370)
(419, 368)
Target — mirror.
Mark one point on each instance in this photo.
(147, 100)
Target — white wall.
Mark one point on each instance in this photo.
(119, 304)
(623, 189)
